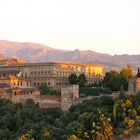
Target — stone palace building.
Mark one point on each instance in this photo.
(55, 74)
(20, 82)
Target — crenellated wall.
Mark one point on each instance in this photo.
(49, 101)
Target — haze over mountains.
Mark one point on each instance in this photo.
(33, 52)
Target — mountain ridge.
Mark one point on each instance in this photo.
(35, 52)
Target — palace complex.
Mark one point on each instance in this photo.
(55, 74)
(19, 82)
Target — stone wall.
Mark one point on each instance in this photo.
(69, 96)
(132, 84)
(50, 101)
(20, 98)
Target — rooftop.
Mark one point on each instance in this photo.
(51, 63)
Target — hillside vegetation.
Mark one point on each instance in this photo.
(101, 118)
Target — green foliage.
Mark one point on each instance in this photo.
(18, 119)
(121, 95)
(111, 80)
(97, 84)
(90, 91)
(123, 81)
(44, 90)
(94, 91)
(114, 80)
(72, 79)
(31, 122)
(29, 103)
(80, 80)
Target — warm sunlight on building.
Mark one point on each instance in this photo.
(55, 74)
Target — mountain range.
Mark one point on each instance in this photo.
(34, 52)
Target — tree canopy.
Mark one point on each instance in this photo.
(44, 90)
(72, 79)
(127, 72)
(114, 80)
(119, 116)
(80, 80)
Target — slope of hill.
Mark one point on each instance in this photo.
(33, 52)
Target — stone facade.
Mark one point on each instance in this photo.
(132, 85)
(20, 82)
(14, 88)
(49, 101)
(69, 95)
(19, 90)
(55, 74)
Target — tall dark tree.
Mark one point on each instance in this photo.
(44, 90)
(111, 80)
(72, 79)
(121, 95)
(18, 119)
(82, 80)
(123, 81)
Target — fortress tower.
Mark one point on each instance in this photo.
(138, 81)
(69, 96)
(134, 83)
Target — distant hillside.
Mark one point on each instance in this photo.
(33, 52)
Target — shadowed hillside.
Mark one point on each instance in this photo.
(33, 52)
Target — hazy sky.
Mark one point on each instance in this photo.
(108, 26)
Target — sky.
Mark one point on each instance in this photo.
(107, 26)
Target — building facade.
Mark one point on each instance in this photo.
(69, 96)
(55, 74)
(14, 88)
(21, 81)
(19, 90)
